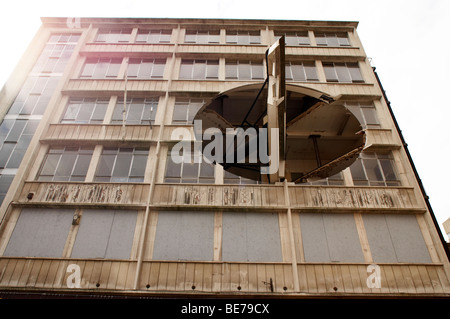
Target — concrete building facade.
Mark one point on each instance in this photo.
(93, 203)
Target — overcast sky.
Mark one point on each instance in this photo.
(408, 42)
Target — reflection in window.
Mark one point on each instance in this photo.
(122, 164)
(66, 164)
(372, 169)
(138, 111)
(85, 111)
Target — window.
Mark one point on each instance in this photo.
(301, 71)
(113, 36)
(372, 169)
(199, 69)
(16, 136)
(185, 110)
(188, 172)
(40, 232)
(146, 68)
(122, 165)
(101, 68)
(5, 182)
(365, 113)
(342, 72)
(395, 238)
(330, 237)
(105, 234)
(332, 39)
(138, 111)
(244, 70)
(243, 37)
(202, 37)
(66, 164)
(294, 38)
(182, 235)
(85, 111)
(153, 36)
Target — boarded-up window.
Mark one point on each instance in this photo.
(251, 237)
(395, 238)
(184, 236)
(105, 234)
(40, 232)
(330, 238)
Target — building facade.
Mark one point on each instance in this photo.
(93, 203)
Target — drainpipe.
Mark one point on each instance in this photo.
(416, 174)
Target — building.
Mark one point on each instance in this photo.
(93, 203)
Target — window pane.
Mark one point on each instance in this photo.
(370, 115)
(66, 164)
(16, 131)
(180, 113)
(186, 69)
(244, 71)
(190, 170)
(138, 166)
(106, 165)
(212, 71)
(199, 71)
(373, 170)
(342, 73)
(82, 165)
(231, 70)
(330, 72)
(357, 170)
(50, 164)
(388, 170)
(310, 70)
(172, 169)
(355, 73)
(122, 166)
(298, 73)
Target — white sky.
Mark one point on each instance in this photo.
(408, 42)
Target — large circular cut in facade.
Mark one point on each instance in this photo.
(316, 137)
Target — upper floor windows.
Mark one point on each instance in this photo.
(66, 164)
(101, 68)
(294, 38)
(185, 110)
(202, 37)
(188, 171)
(244, 70)
(342, 72)
(146, 68)
(138, 111)
(85, 111)
(199, 69)
(332, 39)
(372, 169)
(301, 71)
(243, 37)
(153, 36)
(365, 113)
(114, 36)
(122, 165)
